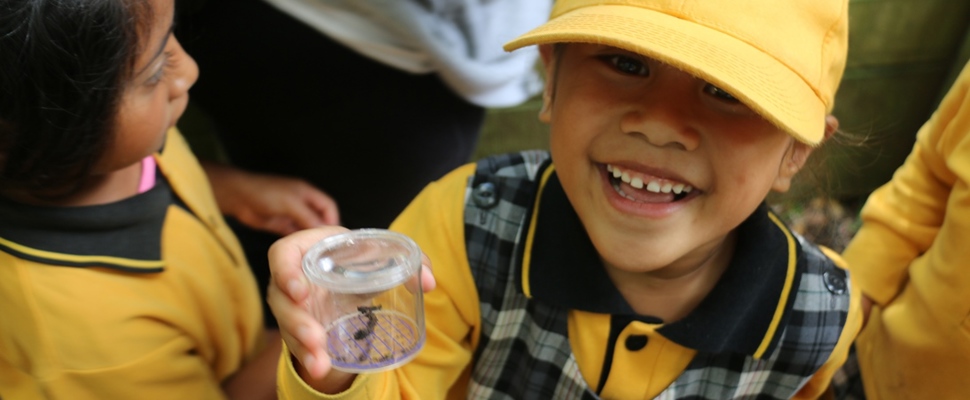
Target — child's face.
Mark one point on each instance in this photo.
(661, 129)
(156, 93)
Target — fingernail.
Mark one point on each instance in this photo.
(303, 332)
(295, 288)
(308, 361)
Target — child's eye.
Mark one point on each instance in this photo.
(628, 65)
(720, 93)
(158, 75)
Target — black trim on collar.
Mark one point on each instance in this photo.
(125, 235)
(749, 302)
(742, 313)
(565, 268)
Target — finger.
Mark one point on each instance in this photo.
(303, 214)
(286, 259)
(302, 334)
(424, 277)
(325, 206)
(279, 225)
(317, 363)
(308, 207)
(318, 203)
(428, 282)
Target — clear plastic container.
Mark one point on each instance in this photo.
(365, 298)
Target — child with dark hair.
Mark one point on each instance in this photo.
(636, 259)
(118, 276)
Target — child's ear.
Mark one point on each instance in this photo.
(797, 155)
(831, 126)
(793, 162)
(548, 61)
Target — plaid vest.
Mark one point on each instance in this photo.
(524, 351)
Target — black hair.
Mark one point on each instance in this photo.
(558, 49)
(63, 68)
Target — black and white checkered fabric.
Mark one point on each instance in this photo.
(524, 351)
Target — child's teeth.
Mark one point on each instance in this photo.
(653, 186)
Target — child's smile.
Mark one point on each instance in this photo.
(645, 188)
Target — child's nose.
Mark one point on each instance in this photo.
(663, 121)
(186, 75)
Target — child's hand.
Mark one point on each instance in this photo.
(271, 203)
(287, 297)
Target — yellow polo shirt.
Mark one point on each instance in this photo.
(146, 298)
(618, 355)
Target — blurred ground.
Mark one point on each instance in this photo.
(823, 221)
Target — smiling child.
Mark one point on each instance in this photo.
(637, 258)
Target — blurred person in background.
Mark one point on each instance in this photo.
(367, 100)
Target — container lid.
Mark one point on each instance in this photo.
(362, 261)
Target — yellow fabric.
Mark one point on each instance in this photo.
(441, 369)
(291, 386)
(96, 333)
(633, 374)
(911, 256)
(784, 59)
(629, 379)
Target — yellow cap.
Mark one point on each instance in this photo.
(783, 58)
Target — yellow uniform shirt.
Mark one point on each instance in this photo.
(616, 355)
(146, 298)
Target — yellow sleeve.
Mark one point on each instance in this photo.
(435, 220)
(820, 381)
(903, 218)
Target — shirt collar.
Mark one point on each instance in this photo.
(742, 313)
(125, 235)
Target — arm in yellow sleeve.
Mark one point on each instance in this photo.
(902, 219)
(435, 220)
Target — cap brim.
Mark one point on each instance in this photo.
(760, 81)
